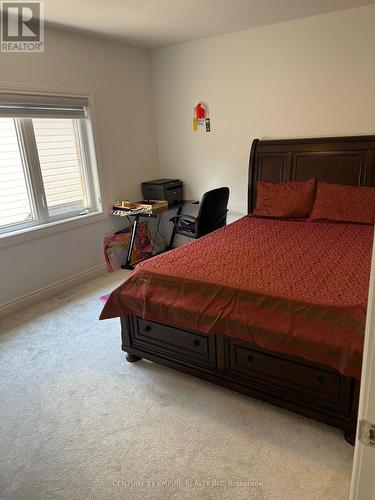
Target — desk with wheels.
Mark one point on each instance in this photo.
(178, 206)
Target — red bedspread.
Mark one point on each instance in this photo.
(299, 288)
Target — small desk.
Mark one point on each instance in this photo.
(137, 216)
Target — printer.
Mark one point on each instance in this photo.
(170, 190)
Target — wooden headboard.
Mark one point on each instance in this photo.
(339, 160)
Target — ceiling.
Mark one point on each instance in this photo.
(156, 23)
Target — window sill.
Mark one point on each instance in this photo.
(36, 232)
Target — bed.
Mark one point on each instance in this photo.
(274, 309)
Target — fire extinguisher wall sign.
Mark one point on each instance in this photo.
(201, 118)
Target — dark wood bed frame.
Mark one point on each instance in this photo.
(307, 388)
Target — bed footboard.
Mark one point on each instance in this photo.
(313, 390)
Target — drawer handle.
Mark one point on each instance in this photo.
(147, 328)
(196, 343)
(320, 380)
(250, 359)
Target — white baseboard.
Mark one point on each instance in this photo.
(51, 290)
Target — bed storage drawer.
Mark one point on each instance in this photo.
(174, 342)
(314, 383)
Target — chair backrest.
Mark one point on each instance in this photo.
(213, 210)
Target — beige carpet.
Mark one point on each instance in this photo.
(79, 422)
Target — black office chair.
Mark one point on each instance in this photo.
(212, 215)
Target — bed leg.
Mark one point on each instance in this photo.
(131, 358)
(350, 437)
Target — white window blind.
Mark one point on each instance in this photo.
(31, 106)
(47, 163)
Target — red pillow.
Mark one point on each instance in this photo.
(284, 200)
(342, 203)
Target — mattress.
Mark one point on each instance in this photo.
(293, 287)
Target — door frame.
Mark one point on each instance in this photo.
(363, 475)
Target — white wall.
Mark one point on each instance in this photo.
(120, 79)
(309, 77)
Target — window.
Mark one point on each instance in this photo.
(47, 162)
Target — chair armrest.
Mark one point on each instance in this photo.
(182, 216)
